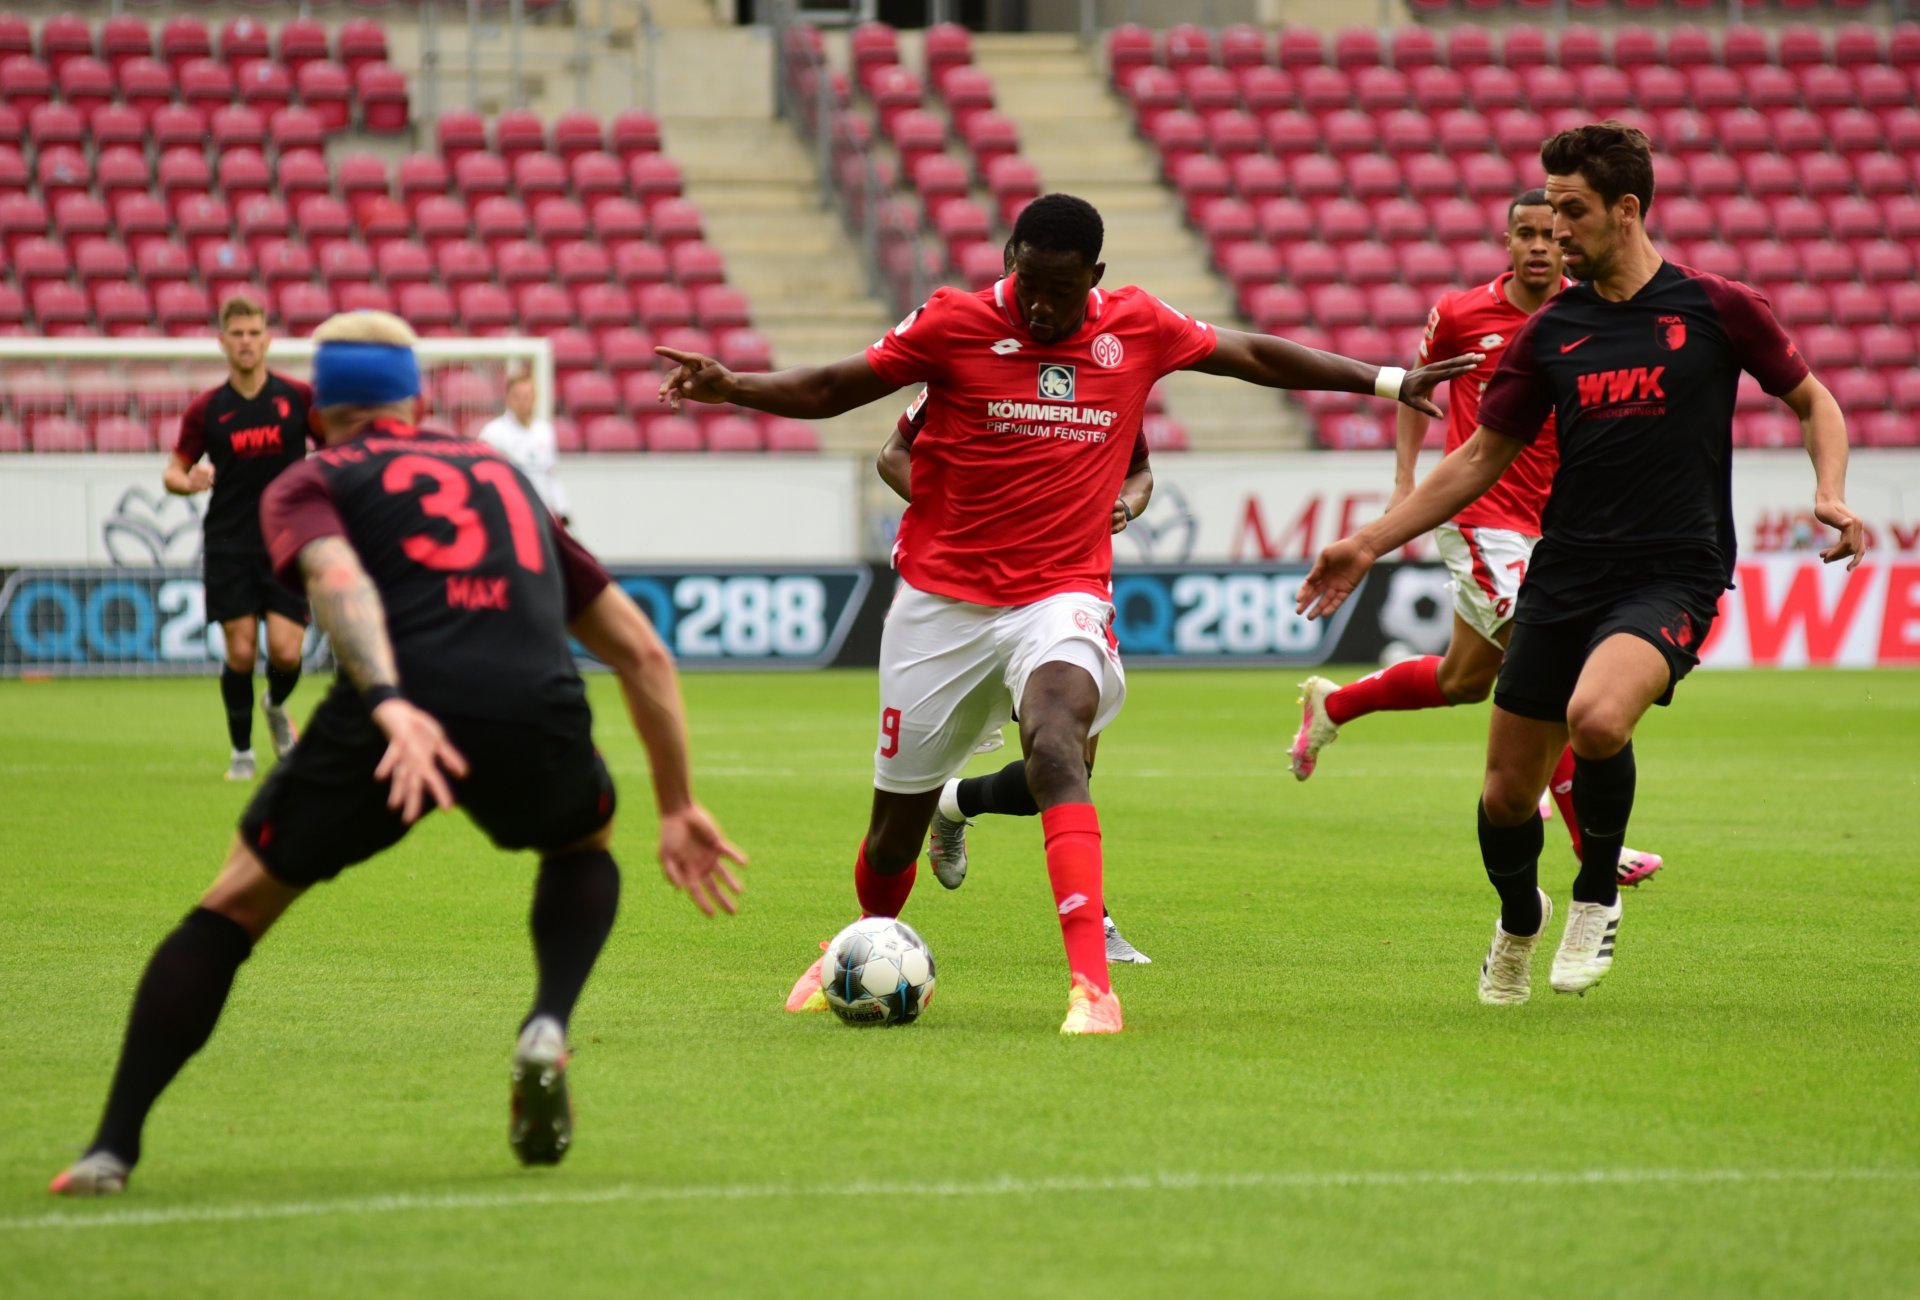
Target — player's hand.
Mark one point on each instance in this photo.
(199, 478)
(1334, 575)
(1833, 513)
(694, 379)
(418, 761)
(1418, 383)
(1121, 516)
(694, 856)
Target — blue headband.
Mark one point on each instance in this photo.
(364, 374)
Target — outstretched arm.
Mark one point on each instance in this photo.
(1277, 363)
(1457, 480)
(1824, 429)
(347, 607)
(802, 393)
(693, 852)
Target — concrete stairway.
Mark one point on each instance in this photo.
(1078, 134)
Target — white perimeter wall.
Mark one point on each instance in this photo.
(57, 510)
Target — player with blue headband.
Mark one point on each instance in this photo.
(364, 370)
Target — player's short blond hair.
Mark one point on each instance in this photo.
(238, 307)
(366, 327)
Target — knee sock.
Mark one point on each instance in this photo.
(1004, 792)
(174, 1011)
(1561, 787)
(236, 693)
(1073, 869)
(280, 683)
(881, 895)
(575, 898)
(1603, 796)
(1410, 684)
(1511, 855)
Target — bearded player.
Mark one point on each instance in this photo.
(1034, 388)
(248, 430)
(1486, 546)
(1640, 364)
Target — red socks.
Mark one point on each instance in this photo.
(881, 895)
(1073, 868)
(1410, 684)
(1562, 789)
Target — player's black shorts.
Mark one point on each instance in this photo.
(320, 810)
(240, 584)
(1544, 659)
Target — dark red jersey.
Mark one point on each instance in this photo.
(1025, 444)
(249, 440)
(478, 579)
(1644, 393)
(1482, 319)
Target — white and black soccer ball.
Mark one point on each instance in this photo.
(878, 972)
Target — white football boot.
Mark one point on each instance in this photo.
(1586, 949)
(1506, 976)
(242, 767)
(947, 838)
(280, 728)
(1119, 951)
(1317, 730)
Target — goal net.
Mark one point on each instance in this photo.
(99, 564)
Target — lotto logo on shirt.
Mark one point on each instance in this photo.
(1056, 382)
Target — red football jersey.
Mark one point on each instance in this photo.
(1025, 444)
(1481, 319)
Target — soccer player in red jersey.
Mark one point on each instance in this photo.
(1004, 793)
(1035, 386)
(236, 439)
(448, 593)
(1639, 365)
(1487, 545)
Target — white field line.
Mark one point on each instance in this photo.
(1164, 1182)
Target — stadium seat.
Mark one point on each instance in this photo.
(98, 260)
(1130, 47)
(673, 433)
(1298, 48)
(633, 131)
(790, 437)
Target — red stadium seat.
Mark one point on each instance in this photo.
(1432, 177)
(327, 90)
(609, 433)
(1715, 88)
(521, 261)
(1745, 46)
(1885, 262)
(518, 131)
(40, 261)
(1290, 132)
(1129, 48)
(1373, 178)
(1826, 261)
(539, 175)
(673, 433)
(633, 131)
(1299, 48)
(61, 170)
(79, 216)
(382, 95)
(1323, 90)
(615, 222)
(1243, 45)
(97, 260)
(361, 41)
(694, 262)
(791, 437)
(1317, 176)
(1185, 45)
(182, 309)
(1310, 264)
(1276, 308)
(1435, 90)
(1877, 174)
(56, 434)
(544, 308)
(654, 177)
(427, 307)
(280, 262)
(498, 220)
(1858, 304)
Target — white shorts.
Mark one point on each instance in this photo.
(952, 673)
(1488, 566)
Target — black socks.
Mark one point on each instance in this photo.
(1004, 793)
(174, 1011)
(1511, 855)
(574, 901)
(236, 692)
(1603, 799)
(280, 683)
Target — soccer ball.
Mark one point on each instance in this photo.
(877, 972)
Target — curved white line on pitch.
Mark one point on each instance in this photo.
(1168, 1182)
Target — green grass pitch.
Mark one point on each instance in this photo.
(1308, 1099)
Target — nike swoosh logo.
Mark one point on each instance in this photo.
(1568, 347)
(230, 414)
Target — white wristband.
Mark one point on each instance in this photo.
(1387, 383)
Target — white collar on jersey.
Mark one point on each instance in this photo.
(1009, 308)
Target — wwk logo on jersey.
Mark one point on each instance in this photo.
(1056, 382)
(1672, 332)
(1616, 387)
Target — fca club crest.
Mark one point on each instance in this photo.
(281, 405)
(1672, 332)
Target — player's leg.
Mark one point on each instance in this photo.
(1528, 729)
(1066, 674)
(1624, 675)
(940, 693)
(285, 637)
(241, 634)
(1486, 582)
(547, 788)
(175, 1007)
(316, 814)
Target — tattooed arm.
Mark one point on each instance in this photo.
(347, 607)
